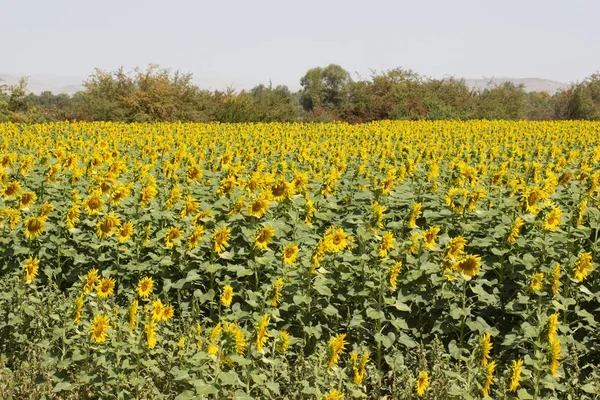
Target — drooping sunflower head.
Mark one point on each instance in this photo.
(12, 189)
(47, 208)
(27, 199)
(34, 226)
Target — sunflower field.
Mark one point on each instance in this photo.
(387, 260)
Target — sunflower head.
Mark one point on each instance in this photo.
(106, 287)
(145, 286)
(31, 269)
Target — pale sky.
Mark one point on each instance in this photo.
(243, 43)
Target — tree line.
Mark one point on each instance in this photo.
(327, 94)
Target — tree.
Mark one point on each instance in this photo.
(324, 87)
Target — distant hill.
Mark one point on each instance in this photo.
(531, 84)
(40, 83)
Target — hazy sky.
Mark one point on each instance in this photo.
(242, 43)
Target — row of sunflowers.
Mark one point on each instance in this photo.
(399, 260)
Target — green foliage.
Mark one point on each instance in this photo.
(327, 94)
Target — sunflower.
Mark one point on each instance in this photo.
(174, 197)
(144, 287)
(195, 237)
(167, 313)
(106, 226)
(486, 348)
(151, 334)
(172, 237)
(264, 237)
(73, 215)
(414, 214)
(336, 240)
(455, 248)
(515, 230)
(27, 199)
(337, 345)
(226, 186)
(31, 269)
(516, 375)
(120, 193)
(147, 232)
(583, 266)
(34, 226)
(310, 211)
(334, 395)
(290, 252)
(78, 309)
(258, 207)
(552, 220)
(91, 280)
(99, 327)
(468, 266)
(227, 296)
(157, 310)
(430, 236)
(94, 203)
(489, 378)
(189, 207)
(394, 272)
(261, 333)
(359, 370)
(276, 299)
(12, 189)
(125, 232)
(378, 211)
(221, 239)
(530, 199)
(555, 356)
(105, 287)
(47, 208)
(147, 194)
(556, 282)
(133, 314)
(536, 281)
(281, 190)
(422, 383)
(387, 244)
(285, 341)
